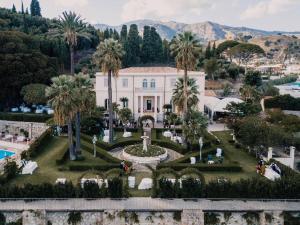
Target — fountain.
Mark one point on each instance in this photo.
(145, 142)
(145, 153)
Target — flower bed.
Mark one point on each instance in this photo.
(137, 150)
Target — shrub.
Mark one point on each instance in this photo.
(177, 216)
(115, 188)
(25, 117)
(214, 167)
(285, 102)
(191, 188)
(10, 170)
(165, 144)
(74, 218)
(2, 219)
(75, 166)
(39, 144)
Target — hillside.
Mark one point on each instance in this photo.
(279, 47)
(205, 31)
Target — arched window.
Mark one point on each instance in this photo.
(145, 83)
(152, 84)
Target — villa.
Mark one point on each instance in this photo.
(147, 89)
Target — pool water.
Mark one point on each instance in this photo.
(295, 84)
(4, 154)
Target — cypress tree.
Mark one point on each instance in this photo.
(133, 45)
(208, 51)
(166, 51)
(116, 35)
(214, 51)
(14, 10)
(22, 8)
(147, 45)
(156, 46)
(106, 34)
(35, 8)
(124, 34)
(26, 11)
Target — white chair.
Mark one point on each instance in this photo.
(167, 134)
(145, 184)
(60, 181)
(219, 152)
(193, 160)
(29, 168)
(106, 139)
(210, 162)
(131, 182)
(50, 111)
(127, 134)
(8, 137)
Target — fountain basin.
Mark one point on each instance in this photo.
(147, 158)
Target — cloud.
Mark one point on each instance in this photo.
(67, 3)
(163, 9)
(268, 7)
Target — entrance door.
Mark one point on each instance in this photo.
(149, 105)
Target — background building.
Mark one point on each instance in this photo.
(147, 89)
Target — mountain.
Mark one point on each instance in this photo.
(205, 31)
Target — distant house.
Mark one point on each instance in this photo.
(147, 89)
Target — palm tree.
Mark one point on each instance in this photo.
(71, 26)
(192, 94)
(108, 57)
(250, 93)
(85, 98)
(62, 100)
(194, 128)
(186, 49)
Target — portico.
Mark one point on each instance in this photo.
(150, 105)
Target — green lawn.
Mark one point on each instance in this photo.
(48, 171)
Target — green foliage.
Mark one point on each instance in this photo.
(233, 71)
(226, 45)
(152, 48)
(35, 8)
(284, 80)
(253, 78)
(243, 109)
(2, 219)
(194, 126)
(245, 51)
(134, 218)
(39, 144)
(211, 218)
(251, 218)
(26, 117)
(210, 67)
(115, 189)
(290, 123)
(177, 216)
(34, 93)
(202, 167)
(137, 150)
(285, 102)
(74, 218)
(192, 93)
(268, 90)
(125, 115)
(10, 169)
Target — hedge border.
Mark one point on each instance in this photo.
(25, 117)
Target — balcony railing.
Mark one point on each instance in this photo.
(149, 89)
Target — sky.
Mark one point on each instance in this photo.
(283, 15)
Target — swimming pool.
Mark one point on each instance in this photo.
(297, 83)
(4, 154)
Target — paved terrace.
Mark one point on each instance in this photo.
(149, 204)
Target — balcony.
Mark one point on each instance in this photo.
(148, 90)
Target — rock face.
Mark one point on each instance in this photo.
(205, 31)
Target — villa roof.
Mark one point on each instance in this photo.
(153, 70)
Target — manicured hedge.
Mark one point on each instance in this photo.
(62, 156)
(76, 166)
(39, 144)
(100, 153)
(285, 102)
(25, 117)
(170, 145)
(109, 147)
(121, 129)
(202, 167)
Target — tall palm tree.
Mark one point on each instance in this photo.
(71, 26)
(186, 49)
(62, 100)
(192, 94)
(85, 99)
(108, 57)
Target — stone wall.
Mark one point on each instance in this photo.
(117, 217)
(14, 127)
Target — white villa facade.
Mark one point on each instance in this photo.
(147, 89)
